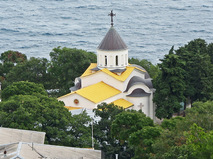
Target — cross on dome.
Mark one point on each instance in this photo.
(112, 15)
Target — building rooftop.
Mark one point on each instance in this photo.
(112, 41)
(122, 103)
(122, 77)
(10, 135)
(96, 92)
(23, 150)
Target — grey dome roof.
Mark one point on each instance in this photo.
(112, 41)
(138, 80)
(77, 86)
(139, 93)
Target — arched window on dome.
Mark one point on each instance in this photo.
(116, 60)
(105, 60)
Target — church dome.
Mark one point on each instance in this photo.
(112, 41)
(112, 52)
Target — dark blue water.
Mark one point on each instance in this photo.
(149, 27)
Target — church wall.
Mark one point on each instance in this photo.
(140, 100)
(69, 101)
(101, 76)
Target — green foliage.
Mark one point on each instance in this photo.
(80, 132)
(170, 86)
(23, 88)
(66, 64)
(210, 51)
(142, 141)
(13, 57)
(202, 114)
(103, 132)
(153, 70)
(39, 113)
(27, 106)
(189, 137)
(9, 59)
(200, 142)
(186, 76)
(35, 70)
(170, 124)
(198, 67)
(128, 122)
(134, 129)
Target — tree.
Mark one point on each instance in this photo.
(148, 66)
(23, 88)
(128, 122)
(26, 105)
(170, 86)
(9, 60)
(141, 141)
(200, 142)
(80, 131)
(35, 70)
(39, 113)
(210, 51)
(13, 57)
(103, 133)
(186, 138)
(198, 70)
(66, 64)
(202, 114)
(130, 126)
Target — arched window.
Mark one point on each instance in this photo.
(105, 60)
(116, 60)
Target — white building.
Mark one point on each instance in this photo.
(112, 80)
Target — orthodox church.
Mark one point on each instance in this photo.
(112, 80)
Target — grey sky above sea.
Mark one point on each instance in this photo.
(148, 27)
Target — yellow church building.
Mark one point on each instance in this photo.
(112, 80)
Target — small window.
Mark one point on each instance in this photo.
(116, 60)
(105, 60)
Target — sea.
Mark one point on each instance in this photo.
(148, 27)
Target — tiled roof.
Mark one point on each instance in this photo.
(112, 41)
(88, 70)
(122, 103)
(97, 92)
